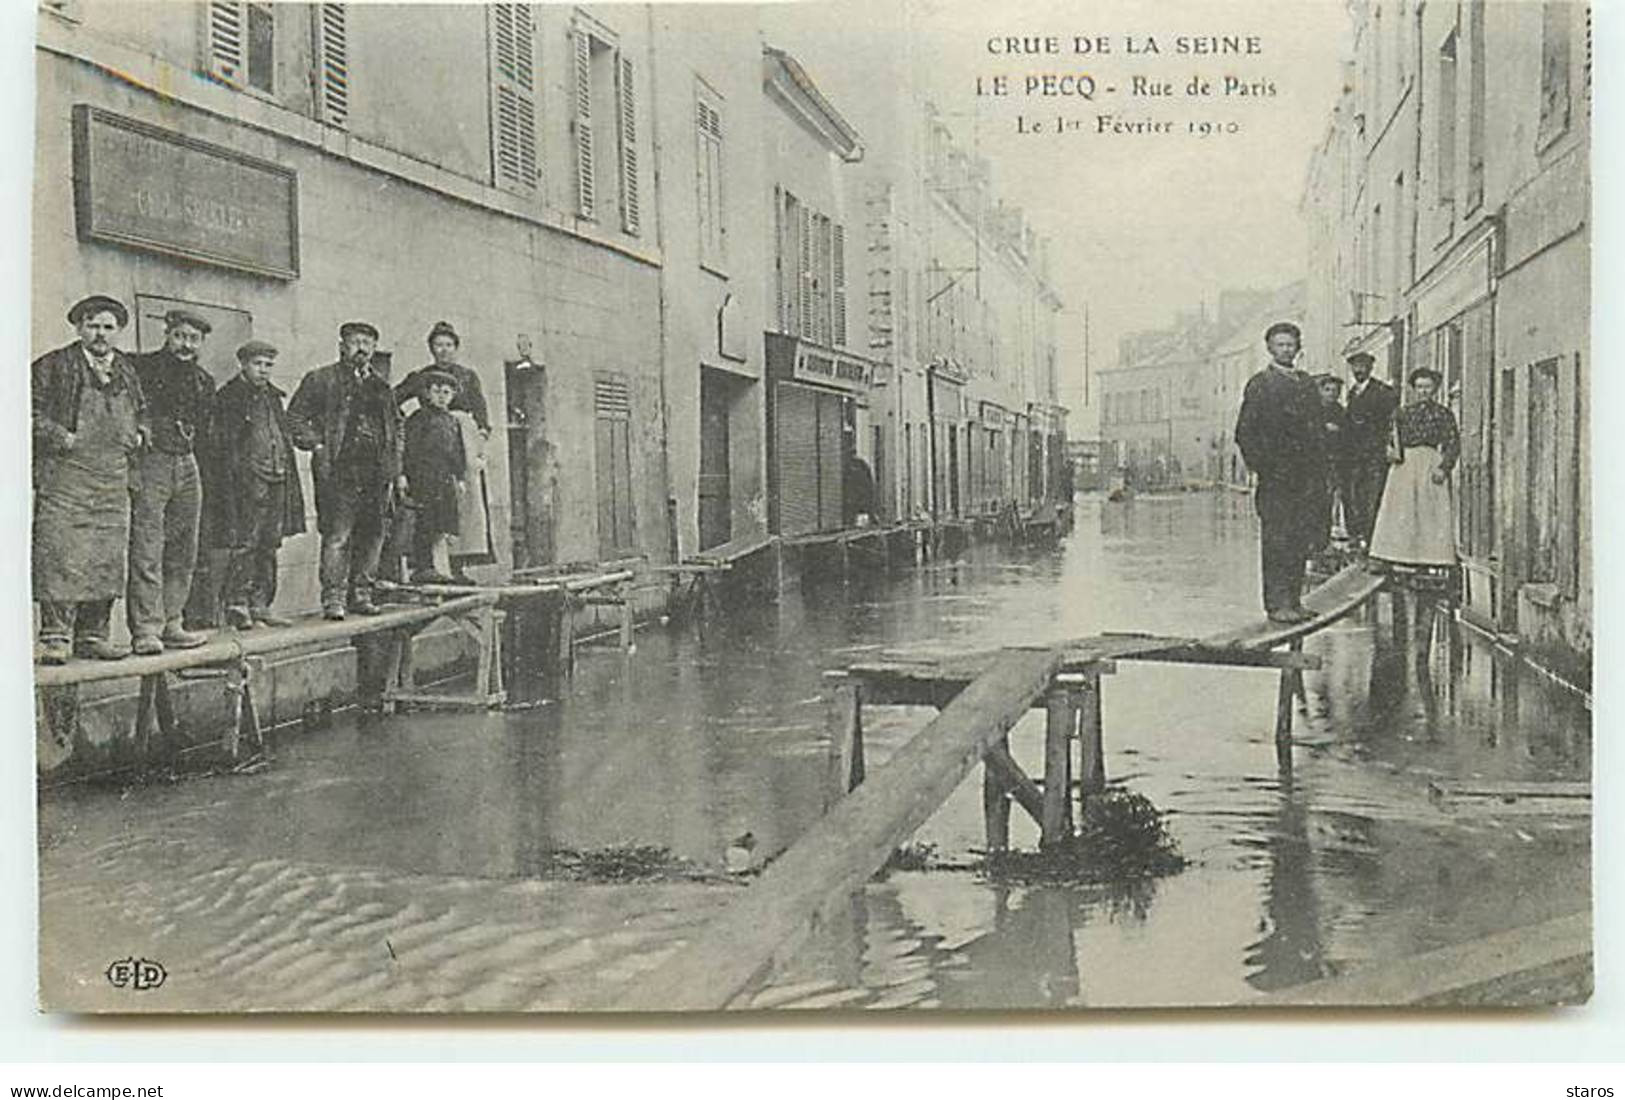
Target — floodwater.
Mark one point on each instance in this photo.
(438, 827)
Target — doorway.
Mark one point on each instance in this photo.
(715, 486)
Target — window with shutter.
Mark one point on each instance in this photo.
(627, 112)
(708, 181)
(513, 97)
(332, 64)
(586, 192)
(241, 44)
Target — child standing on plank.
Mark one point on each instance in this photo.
(435, 474)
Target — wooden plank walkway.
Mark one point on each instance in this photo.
(770, 921)
(981, 695)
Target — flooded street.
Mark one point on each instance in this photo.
(402, 863)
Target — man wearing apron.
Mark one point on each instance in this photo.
(89, 419)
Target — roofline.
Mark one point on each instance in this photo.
(787, 77)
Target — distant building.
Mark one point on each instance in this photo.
(1169, 406)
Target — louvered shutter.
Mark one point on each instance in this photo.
(226, 31)
(626, 99)
(838, 276)
(612, 408)
(514, 155)
(804, 275)
(781, 260)
(332, 64)
(586, 203)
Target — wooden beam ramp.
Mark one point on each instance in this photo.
(981, 696)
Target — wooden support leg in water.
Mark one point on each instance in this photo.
(155, 719)
(996, 802)
(245, 717)
(1061, 719)
(844, 721)
(1285, 695)
(1091, 740)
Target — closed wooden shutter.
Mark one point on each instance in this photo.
(612, 414)
(513, 97)
(781, 261)
(332, 64)
(795, 410)
(586, 190)
(627, 100)
(838, 279)
(227, 26)
(804, 275)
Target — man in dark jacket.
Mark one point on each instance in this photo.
(256, 499)
(166, 495)
(345, 415)
(1280, 436)
(1370, 413)
(89, 421)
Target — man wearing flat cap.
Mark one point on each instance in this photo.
(1279, 432)
(166, 492)
(89, 418)
(1370, 412)
(345, 415)
(259, 501)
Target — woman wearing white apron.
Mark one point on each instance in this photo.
(1416, 523)
(473, 544)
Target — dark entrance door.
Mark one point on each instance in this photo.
(715, 501)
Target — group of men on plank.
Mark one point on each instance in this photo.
(139, 460)
(1309, 449)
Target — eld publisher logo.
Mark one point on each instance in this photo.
(137, 974)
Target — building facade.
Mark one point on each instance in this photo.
(1450, 203)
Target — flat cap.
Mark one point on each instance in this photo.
(1361, 357)
(1284, 326)
(255, 348)
(443, 328)
(358, 326)
(1425, 372)
(434, 376)
(98, 303)
(1326, 376)
(177, 317)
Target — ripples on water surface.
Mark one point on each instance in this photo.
(701, 738)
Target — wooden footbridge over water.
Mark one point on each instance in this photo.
(980, 696)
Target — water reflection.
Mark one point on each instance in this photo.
(707, 734)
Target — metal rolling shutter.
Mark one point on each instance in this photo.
(796, 430)
(829, 463)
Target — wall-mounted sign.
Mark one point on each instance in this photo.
(994, 417)
(139, 185)
(788, 357)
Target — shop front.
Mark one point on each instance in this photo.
(813, 411)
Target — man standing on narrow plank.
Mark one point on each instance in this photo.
(89, 419)
(1280, 436)
(345, 415)
(1370, 411)
(260, 501)
(166, 495)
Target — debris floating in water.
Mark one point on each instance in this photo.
(1124, 837)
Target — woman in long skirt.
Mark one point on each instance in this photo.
(1416, 523)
